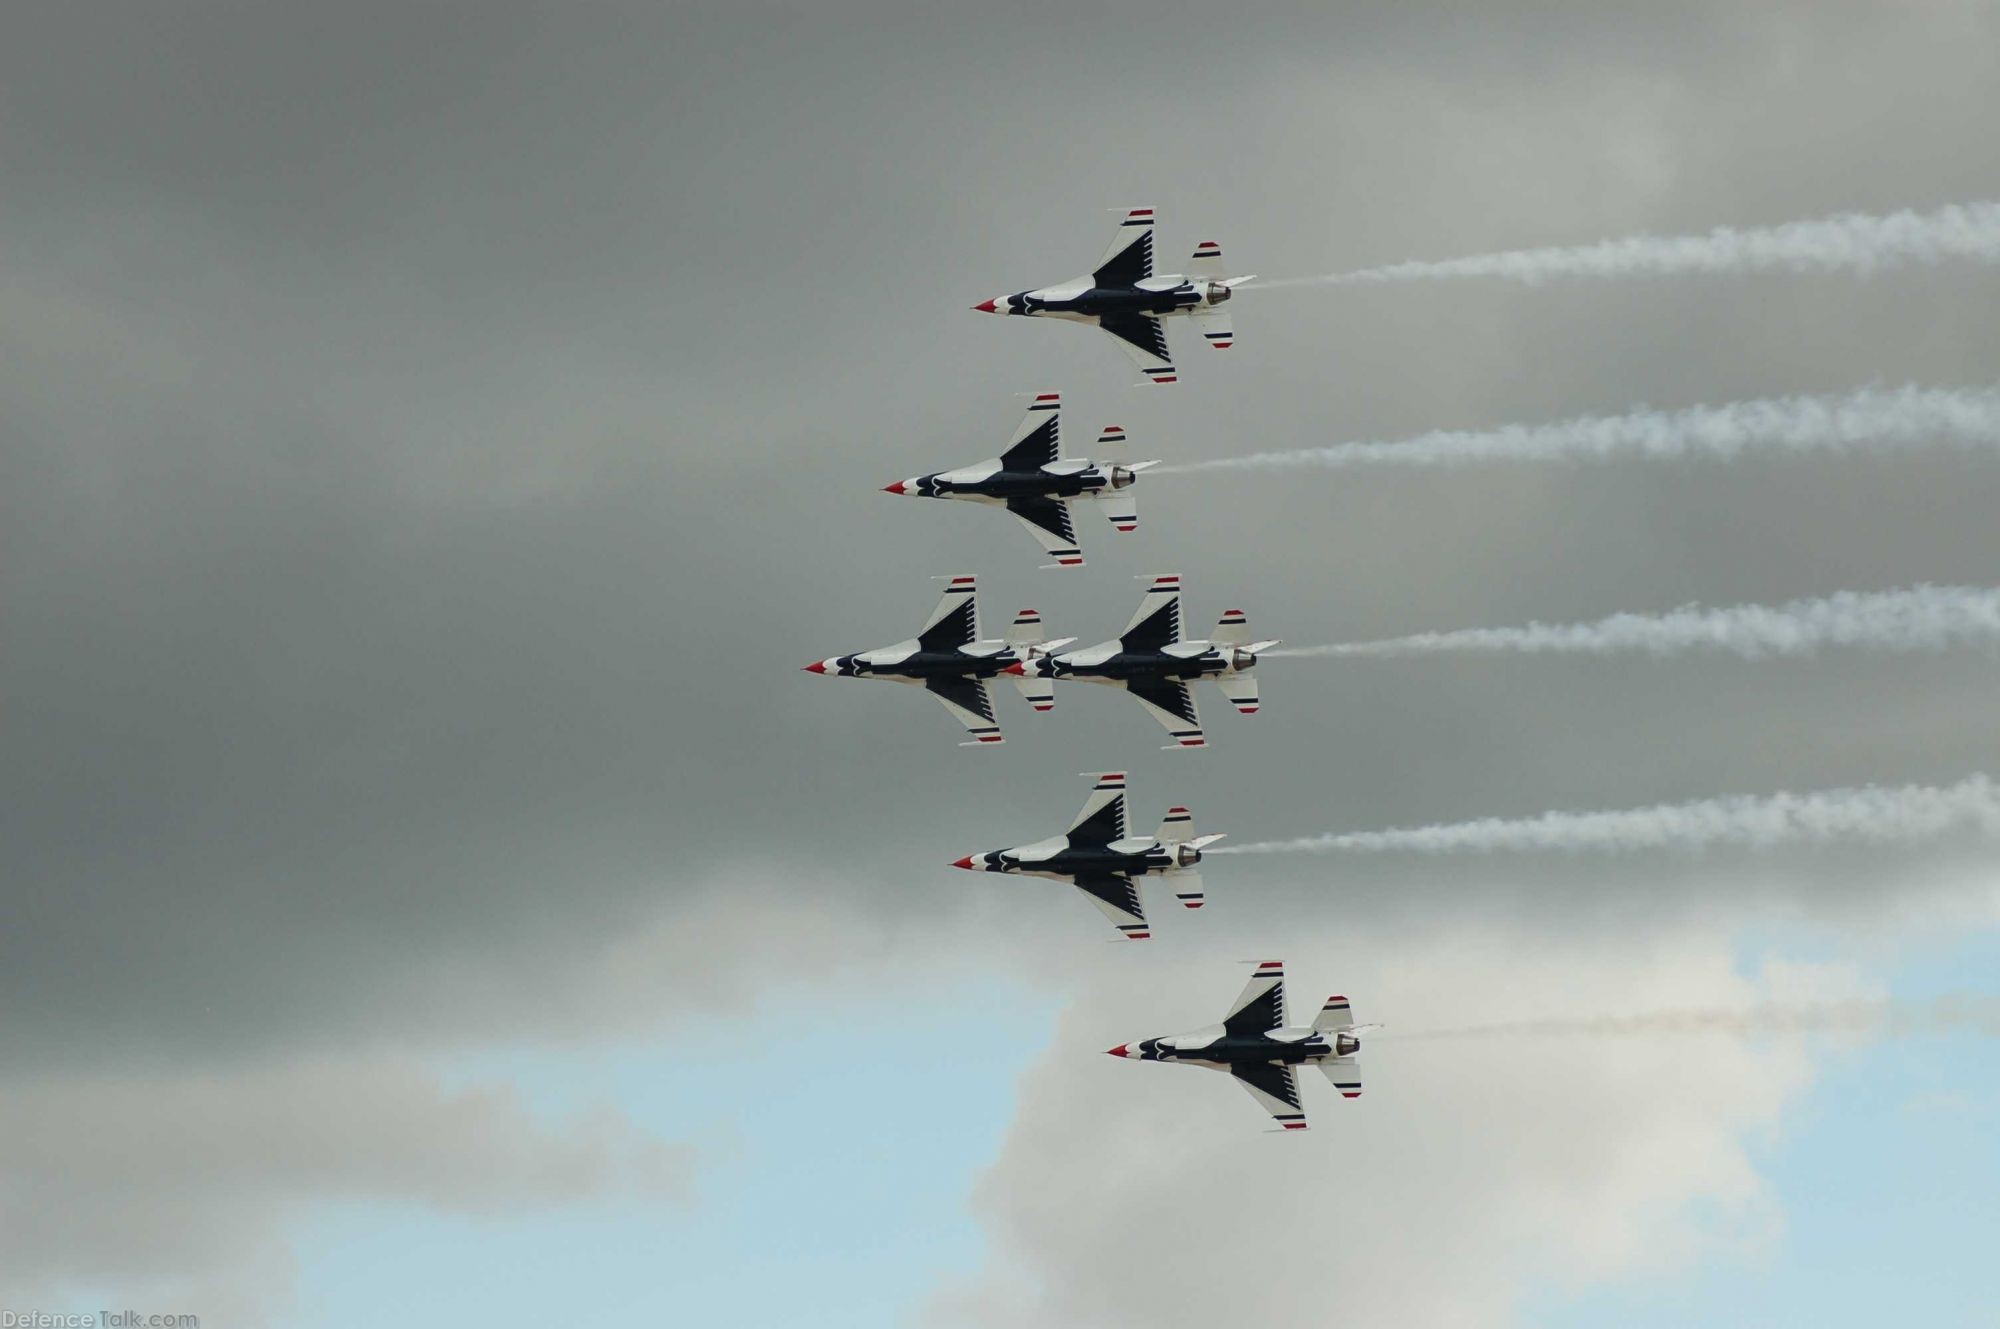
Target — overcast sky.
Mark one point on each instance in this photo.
(432, 438)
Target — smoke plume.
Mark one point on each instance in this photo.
(1921, 618)
(1972, 1013)
(1858, 243)
(1871, 815)
(1870, 420)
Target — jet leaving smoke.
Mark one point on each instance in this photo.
(1923, 618)
(1870, 420)
(1853, 242)
(1955, 1013)
(1871, 815)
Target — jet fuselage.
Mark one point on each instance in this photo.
(1187, 660)
(1003, 485)
(1060, 859)
(918, 665)
(1156, 296)
(1213, 1047)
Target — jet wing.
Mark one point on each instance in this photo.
(1145, 342)
(955, 621)
(1261, 1007)
(1103, 817)
(1156, 623)
(1118, 898)
(1275, 1088)
(1128, 260)
(1172, 704)
(1037, 438)
(970, 701)
(1048, 520)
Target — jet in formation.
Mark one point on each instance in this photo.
(1098, 856)
(1031, 481)
(1150, 661)
(950, 660)
(1254, 1044)
(1123, 297)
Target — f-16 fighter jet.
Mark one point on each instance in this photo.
(1037, 486)
(1123, 297)
(950, 661)
(1253, 1044)
(1105, 863)
(1152, 662)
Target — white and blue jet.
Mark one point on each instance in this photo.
(1100, 856)
(1124, 297)
(1151, 661)
(951, 661)
(1255, 1045)
(1037, 485)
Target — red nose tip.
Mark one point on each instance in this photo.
(896, 488)
(1118, 1051)
(816, 667)
(986, 307)
(965, 863)
(1016, 668)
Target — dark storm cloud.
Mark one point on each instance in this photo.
(434, 437)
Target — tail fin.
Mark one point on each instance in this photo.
(1023, 636)
(1335, 1015)
(1207, 261)
(1026, 630)
(1233, 630)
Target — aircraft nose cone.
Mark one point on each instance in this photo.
(1118, 1051)
(816, 667)
(897, 488)
(965, 863)
(987, 307)
(1016, 668)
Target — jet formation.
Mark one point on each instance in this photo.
(948, 657)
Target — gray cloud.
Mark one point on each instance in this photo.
(431, 441)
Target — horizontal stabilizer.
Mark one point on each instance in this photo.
(1040, 692)
(1241, 689)
(1176, 826)
(1344, 1074)
(1207, 261)
(1187, 887)
(1215, 327)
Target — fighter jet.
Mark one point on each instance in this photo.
(1152, 662)
(1104, 862)
(1123, 297)
(950, 660)
(1037, 486)
(1253, 1044)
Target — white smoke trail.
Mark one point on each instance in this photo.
(1973, 1013)
(1870, 815)
(1922, 618)
(1851, 242)
(1869, 420)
